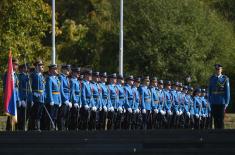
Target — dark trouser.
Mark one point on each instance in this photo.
(73, 118)
(156, 120)
(118, 120)
(35, 116)
(92, 123)
(127, 120)
(147, 120)
(85, 116)
(186, 120)
(21, 118)
(53, 111)
(176, 120)
(217, 112)
(63, 115)
(169, 121)
(102, 119)
(111, 117)
(197, 122)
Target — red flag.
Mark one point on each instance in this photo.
(9, 91)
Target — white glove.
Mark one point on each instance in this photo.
(143, 111)
(181, 112)
(197, 115)
(156, 111)
(124, 110)
(169, 112)
(19, 104)
(111, 109)
(23, 103)
(162, 112)
(100, 109)
(137, 111)
(60, 105)
(177, 113)
(75, 105)
(188, 113)
(86, 107)
(32, 103)
(129, 110)
(105, 108)
(52, 103)
(94, 108)
(120, 109)
(203, 115)
(70, 105)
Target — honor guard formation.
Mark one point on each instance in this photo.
(80, 99)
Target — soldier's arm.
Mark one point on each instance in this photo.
(227, 92)
(49, 90)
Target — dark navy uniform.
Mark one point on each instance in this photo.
(219, 97)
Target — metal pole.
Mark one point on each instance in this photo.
(53, 55)
(121, 39)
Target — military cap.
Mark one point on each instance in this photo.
(66, 66)
(38, 62)
(104, 74)
(185, 87)
(154, 79)
(168, 82)
(146, 78)
(190, 88)
(114, 76)
(130, 78)
(137, 79)
(15, 61)
(180, 84)
(198, 90)
(203, 90)
(87, 72)
(76, 69)
(176, 83)
(161, 82)
(52, 66)
(217, 66)
(120, 76)
(96, 73)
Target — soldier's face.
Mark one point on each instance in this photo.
(137, 84)
(103, 79)
(41, 68)
(15, 66)
(168, 87)
(130, 82)
(219, 70)
(146, 82)
(161, 86)
(65, 71)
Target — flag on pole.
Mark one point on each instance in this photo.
(9, 92)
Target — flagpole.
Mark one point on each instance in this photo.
(121, 39)
(53, 55)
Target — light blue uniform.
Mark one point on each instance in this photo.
(75, 91)
(121, 95)
(64, 88)
(53, 96)
(113, 93)
(38, 87)
(104, 95)
(154, 97)
(136, 99)
(24, 91)
(197, 106)
(145, 94)
(87, 96)
(96, 91)
(129, 97)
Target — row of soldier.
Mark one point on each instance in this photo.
(69, 101)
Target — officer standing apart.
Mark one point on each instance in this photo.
(219, 96)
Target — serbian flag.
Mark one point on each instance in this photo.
(9, 92)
